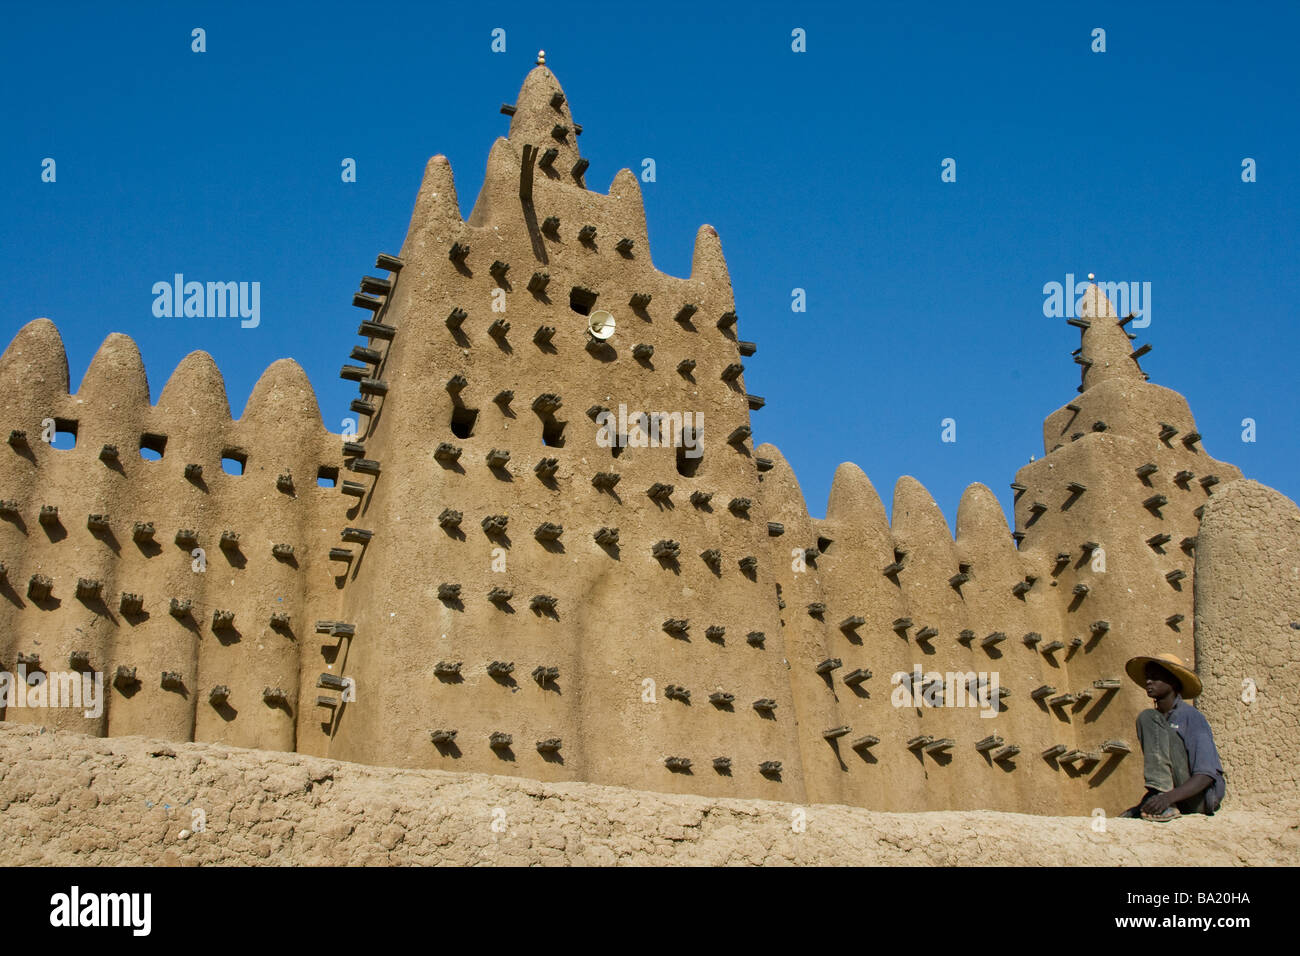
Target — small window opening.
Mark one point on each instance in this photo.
(553, 433)
(582, 300)
(690, 455)
(65, 434)
(233, 461)
(823, 545)
(462, 421)
(327, 477)
(152, 446)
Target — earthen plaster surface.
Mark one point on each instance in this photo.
(462, 599)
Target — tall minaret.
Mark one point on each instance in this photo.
(535, 599)
(1113, 508)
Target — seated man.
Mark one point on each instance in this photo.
(1179, 760)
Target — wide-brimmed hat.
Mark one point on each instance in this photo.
(1136, 669)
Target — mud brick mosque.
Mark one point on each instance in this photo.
(472, 582)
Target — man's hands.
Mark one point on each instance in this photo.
(1158, 802)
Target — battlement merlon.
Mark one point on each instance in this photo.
(855, 516)
(113, 396)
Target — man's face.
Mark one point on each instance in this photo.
(1159, 681)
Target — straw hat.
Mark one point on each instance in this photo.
(1191, 683)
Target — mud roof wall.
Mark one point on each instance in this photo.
(99, 543)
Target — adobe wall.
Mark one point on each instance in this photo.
(1248, 639)
(395, 584)
(280, 433)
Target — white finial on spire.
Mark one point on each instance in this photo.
(541, 57)
(1091, 277)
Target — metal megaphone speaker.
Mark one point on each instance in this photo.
(600, 324)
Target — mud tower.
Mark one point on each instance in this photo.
(1099, 568)
(554, 555)
(547, 560)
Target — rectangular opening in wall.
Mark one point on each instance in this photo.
(689, 457)
(327, 477)
(582, 300)
(65, 434)
(152, 446)
(553, 433)
(233, 461)
(462, 421)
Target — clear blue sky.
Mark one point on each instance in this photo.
(820, 170)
